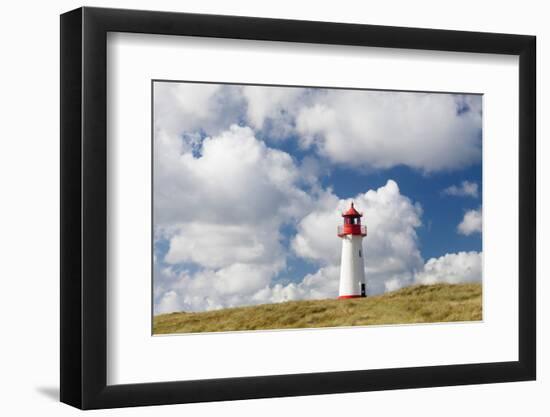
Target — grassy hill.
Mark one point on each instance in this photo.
(416, 304)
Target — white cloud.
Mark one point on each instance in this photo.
(465, 189)
(373, 129)
(185, 111)
(182, 107)
(275, 106)
(168, 303)
(210, 289)
(219, 245)
(391, 246)
(235, 179)
(240, 285)
(452, 268)
(319, 285)
(359, 128)
(471, 223)
(222, 209)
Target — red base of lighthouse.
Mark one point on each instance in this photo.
(343, 297)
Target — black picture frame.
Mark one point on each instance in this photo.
(84, 207)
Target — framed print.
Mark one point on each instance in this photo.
(256, 208)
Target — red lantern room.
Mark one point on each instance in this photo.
(352, 223)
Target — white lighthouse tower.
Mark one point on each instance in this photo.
(352, 267)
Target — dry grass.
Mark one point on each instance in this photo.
(416, 304)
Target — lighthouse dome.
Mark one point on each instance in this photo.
(352, 212)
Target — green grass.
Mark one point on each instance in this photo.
(416, 304)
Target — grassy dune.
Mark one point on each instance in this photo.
(416, 304)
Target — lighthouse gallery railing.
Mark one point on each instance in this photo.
(352, 229)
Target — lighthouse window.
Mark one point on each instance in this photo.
(360, 253)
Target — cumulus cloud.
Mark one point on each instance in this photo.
(169, 303)
(240, 285)
(373, 129)
(361, 129)
(210, 289)
(233, 175)
(219, 245)
(319, 285)
(465, 189)
(471, 223)
(273, 108)
(452, 268)
(391, 246)
(186, 112)
(221, 209)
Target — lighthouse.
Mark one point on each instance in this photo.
(352, 267)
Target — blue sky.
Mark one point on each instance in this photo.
(249, 182)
